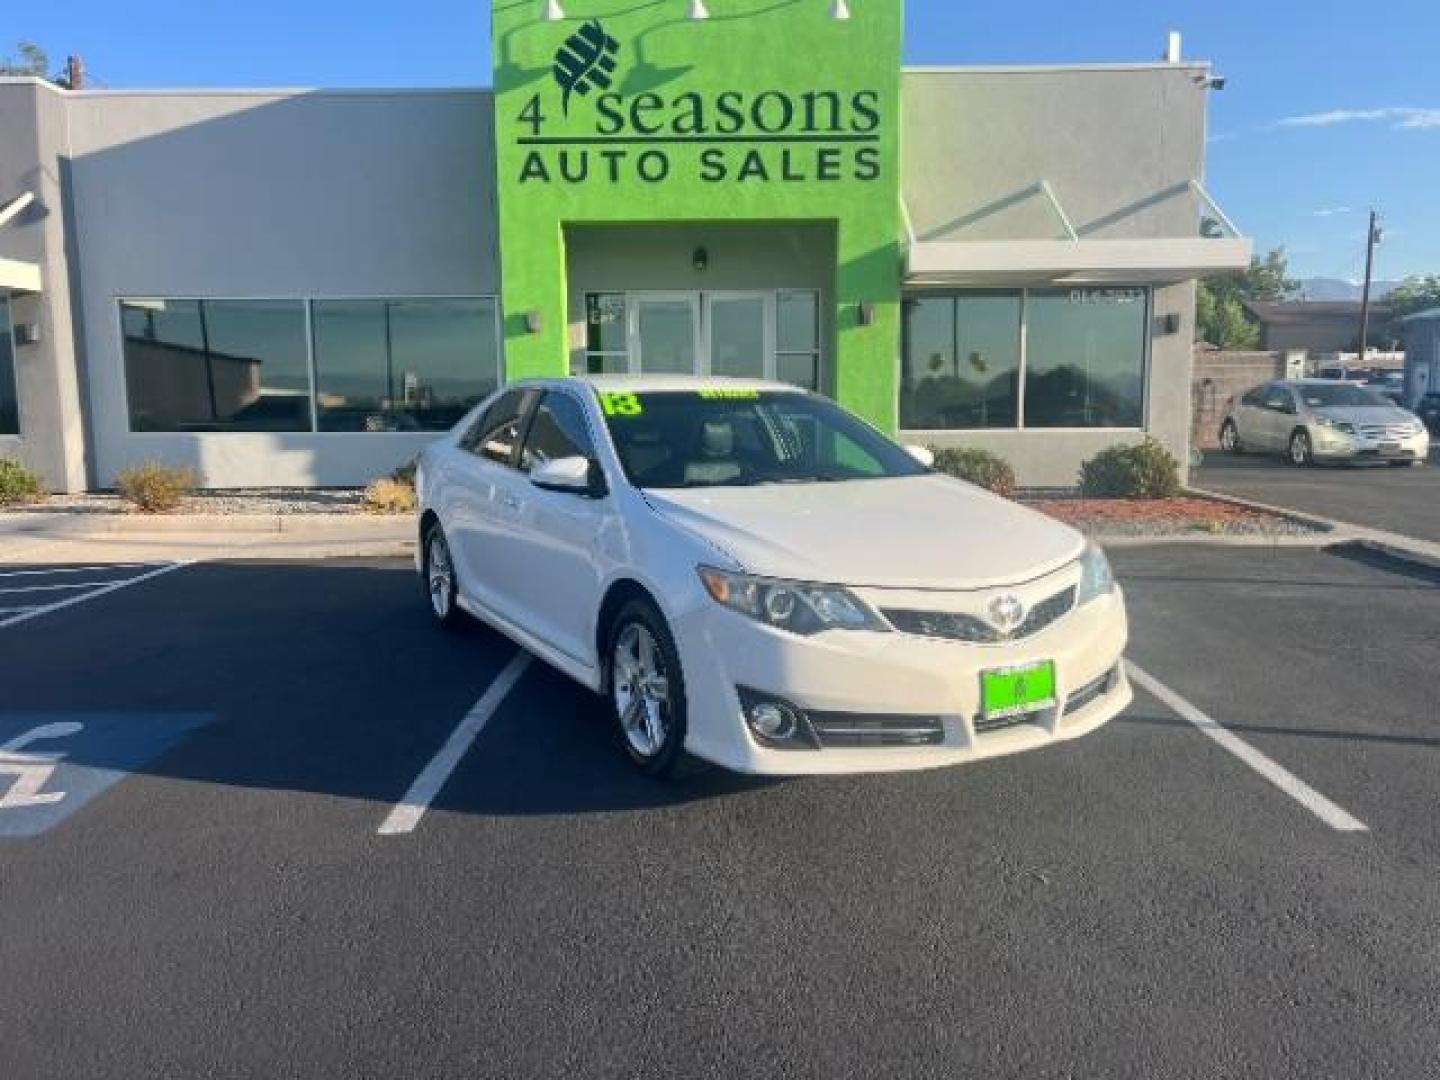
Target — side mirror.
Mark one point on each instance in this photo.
(923, 454)
(574, 475)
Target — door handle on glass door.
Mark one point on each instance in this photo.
(509, 501)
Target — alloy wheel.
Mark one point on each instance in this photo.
(440, 575)
(641, 689)
(1300, 448)
(1229, 438)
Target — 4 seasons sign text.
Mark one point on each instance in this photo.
(727, 136)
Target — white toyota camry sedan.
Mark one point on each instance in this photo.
(752, 575)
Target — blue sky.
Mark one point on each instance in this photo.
(1330, 108)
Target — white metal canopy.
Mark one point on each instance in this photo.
(17, 276)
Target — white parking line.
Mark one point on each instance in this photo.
(56, 588)
(1335, 816)
(46, 572)
(109, 587)
(406, 814)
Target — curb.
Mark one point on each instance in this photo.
(1324, 525)
(322, 526)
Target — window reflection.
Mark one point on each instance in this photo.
(402, 365)
(1085, 358)
(9, 397)
(216, 365)
(962, 362)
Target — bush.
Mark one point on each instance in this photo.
(980, 467)
(153, 487)
(1143, 471)
(405, 474)
(389, 496)
(18, 485)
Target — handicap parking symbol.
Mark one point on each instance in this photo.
(52, 764)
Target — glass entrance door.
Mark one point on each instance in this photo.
(738, 338)
(665, 333)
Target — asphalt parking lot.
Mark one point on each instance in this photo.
(215, 893)
(1404, 501)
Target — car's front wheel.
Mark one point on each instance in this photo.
(647, 690)
(1301, 451)
(1229, 437)
(440, 584)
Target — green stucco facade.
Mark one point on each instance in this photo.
(768, 111)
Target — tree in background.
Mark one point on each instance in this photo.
(1418, 292)
(33, 61)
(1220, 315)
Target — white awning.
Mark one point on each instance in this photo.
(1073, 262)
(16, 276)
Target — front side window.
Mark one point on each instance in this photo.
(1341, 396)
(497, 433)
(216, 365)
(1085, 358)
(9, 398)
(404, 364)
(741, 438)
(558, 431)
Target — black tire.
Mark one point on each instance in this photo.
(1301, 450)
(1405, 464)
(1230, 438)
(440, 596)
(669, 761)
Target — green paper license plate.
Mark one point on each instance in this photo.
(1013, 691)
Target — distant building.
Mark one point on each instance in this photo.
(1320, 327)
(1422, 354)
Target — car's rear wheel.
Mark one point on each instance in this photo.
(440, 585)
(1301, 451)
(1229, 437)
(647, 690)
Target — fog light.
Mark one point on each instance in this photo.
(776, 723)
(772, 721)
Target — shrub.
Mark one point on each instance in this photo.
(153, 487)
(389, 496)
(405, 474)
(18, 485)
(1143, 471)
(980, 467)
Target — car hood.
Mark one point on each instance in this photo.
(1367, 414)
(919, 532)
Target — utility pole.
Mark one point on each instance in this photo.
(1371, 239)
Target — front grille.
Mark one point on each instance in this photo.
(1092, 690)
(875, 729)
(957, 626)
(1387, 432)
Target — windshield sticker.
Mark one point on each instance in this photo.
(730, 395)
(621, 405)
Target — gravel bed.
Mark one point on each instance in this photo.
(1187, 515)
(248, 501)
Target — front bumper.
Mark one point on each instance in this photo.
(893, 674)
(1329, 444)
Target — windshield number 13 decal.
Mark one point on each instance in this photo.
(621, 405)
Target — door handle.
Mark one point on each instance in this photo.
(509, 501)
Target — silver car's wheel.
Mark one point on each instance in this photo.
(641, 690)
(440, 578)
(1229, 437)
(1300, 449)
(647, 691)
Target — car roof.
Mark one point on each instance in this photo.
(641, 384)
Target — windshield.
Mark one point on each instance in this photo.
(1341, 395)
(741, 438)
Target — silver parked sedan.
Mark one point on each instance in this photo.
(1311, 420)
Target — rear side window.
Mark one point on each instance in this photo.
(558, 431)
(496, 435)
(1254, 398)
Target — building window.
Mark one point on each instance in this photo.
(607, 334)
(402, 365)
(962, 361)
(1036, 358)
(216, 365)
(797, 338)
(1085, 358)
(9, 394)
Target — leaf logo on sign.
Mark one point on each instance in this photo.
(585, 61)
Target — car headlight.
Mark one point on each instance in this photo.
(790, 605)
(1096, 577)
(1336, 425)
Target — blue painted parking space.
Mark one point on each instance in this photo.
(53, 764)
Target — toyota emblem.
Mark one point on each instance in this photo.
(1007, 612)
